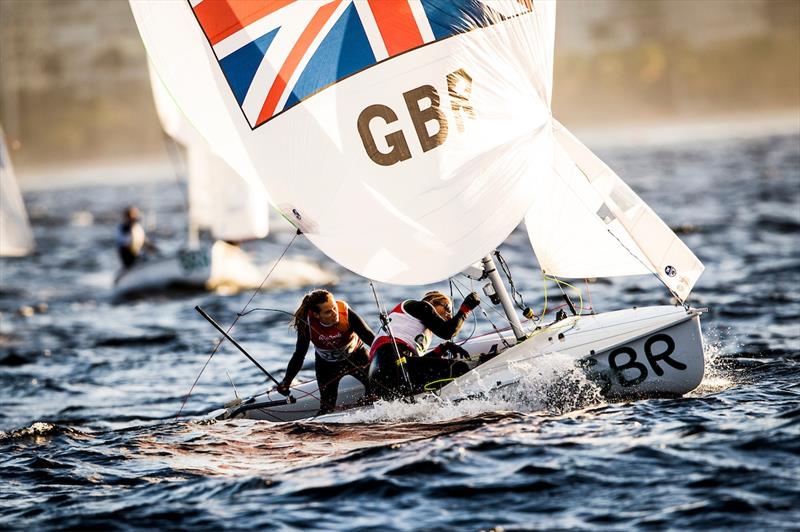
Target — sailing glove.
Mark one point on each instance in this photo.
(451, 350)
(283, 388)
(470, 302)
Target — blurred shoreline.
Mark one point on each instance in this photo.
(681, 130)
(154, 169)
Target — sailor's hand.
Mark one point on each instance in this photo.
(471, 301)
(282, 388)
(452, 350)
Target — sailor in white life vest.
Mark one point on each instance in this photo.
(338, 335)
(131, 239)
(413, 324)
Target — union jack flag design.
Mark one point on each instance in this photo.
(276, 53)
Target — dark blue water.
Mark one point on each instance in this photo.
(90, 388)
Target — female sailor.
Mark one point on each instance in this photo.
(338, 335)
(412, 324)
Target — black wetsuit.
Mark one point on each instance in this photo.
(329, 373)
(125, 243)
(428, 372)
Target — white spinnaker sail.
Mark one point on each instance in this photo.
(16, 236)
(220, 200)
(588, 223)
(401, 136)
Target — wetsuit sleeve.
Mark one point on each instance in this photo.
(442, 328)
(360, 327)
(123, 236)
(300, 350)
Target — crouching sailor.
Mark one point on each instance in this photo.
(412, 324)
(338, 335)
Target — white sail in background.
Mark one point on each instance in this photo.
(588, 223)
(401, 136)
(220, 200)
(16, 236)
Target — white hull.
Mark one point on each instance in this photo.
(640, 352)
(219, 267)
(634, 353)
(186, 269)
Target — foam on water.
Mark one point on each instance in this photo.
(552, 384)
(716, 376)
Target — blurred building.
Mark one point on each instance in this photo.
(630, 60)
(73, 80)
(73, 75)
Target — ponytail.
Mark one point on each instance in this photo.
(310, 302)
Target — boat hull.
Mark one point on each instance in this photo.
(186, 269)
(222, 267)
(667, 362)
(640, 352)
(634, 353)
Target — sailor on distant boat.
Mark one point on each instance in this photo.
(413, 324)
(338, 335)
(131, 238)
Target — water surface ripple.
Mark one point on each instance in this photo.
(90, 387)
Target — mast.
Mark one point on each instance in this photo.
(490, 271)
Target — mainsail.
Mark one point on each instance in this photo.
(588, 223)
(16, 236)
(220, 200)
(402, 136)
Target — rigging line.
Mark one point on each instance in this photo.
(238, 315)
(450, 280)
(491, 307)
(507, 271)
(544, 285)
(502, 315)
(559, 282)
(265, 310)
(385, 324)
(474, 315)
(653, 272)
(496, 330)
(589, 293)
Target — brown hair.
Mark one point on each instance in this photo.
(310, 302)
(434, 297)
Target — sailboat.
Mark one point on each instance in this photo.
(16, 236)
(230, 209)
(425, 128)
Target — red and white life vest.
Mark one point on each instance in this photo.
(333, 342)
(406, 329)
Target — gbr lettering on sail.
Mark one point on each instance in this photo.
(386, 143)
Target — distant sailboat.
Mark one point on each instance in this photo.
(425, 128)
(229, 208)
(16, 236)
